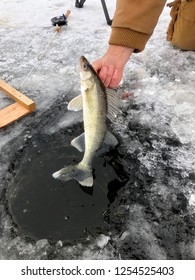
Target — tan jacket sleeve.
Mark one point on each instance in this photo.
(134, 22)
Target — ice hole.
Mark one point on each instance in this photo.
(43, 207)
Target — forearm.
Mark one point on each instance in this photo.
(134, 22)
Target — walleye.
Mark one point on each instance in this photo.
(97, 103)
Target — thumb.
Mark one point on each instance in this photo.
(97, 65)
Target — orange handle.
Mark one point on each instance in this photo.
(68, 12)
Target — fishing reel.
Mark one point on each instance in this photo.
(79, 4)
(61, 20)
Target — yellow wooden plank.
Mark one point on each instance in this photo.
(12, 113)
(17, 96)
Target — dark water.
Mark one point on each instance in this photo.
(43, 207)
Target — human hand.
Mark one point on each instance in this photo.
(110, 66)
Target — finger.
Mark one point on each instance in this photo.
(106, 74)
(97, 65)
(116, 78)
(110, 73)
(103, 74)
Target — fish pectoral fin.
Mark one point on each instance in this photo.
(79, 142)
(76, 104)
(113, 101)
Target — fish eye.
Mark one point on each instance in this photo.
(85, 66)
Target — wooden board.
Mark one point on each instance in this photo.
(17, 96)
(22, 107)
(12, 113)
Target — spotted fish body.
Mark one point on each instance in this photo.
(94, 101)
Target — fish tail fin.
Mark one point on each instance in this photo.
(81, 173)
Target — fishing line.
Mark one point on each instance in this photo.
(58, 22)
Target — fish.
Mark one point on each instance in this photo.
(98, 104)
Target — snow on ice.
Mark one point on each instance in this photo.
(156, 130)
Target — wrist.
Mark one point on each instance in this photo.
(121, 52)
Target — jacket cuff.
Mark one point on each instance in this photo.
(128, 38)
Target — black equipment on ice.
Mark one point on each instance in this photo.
(109, 21)
(79, 4)
(62, 20)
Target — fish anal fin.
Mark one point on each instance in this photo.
(79, 142)
(76, 104)
(110, 141)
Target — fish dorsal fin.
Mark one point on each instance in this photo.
(113, 102)
(76, 104)
(79, 142)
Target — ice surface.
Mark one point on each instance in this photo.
(102, 240)
(156, 130)
(192, 200)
